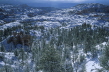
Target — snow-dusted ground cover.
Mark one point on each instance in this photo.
(10, 25)
(62, 19)
(70, 20)
(91, 64)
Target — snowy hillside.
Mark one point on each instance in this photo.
(47, 39)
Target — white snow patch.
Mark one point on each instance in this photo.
(49, 24)
(92, 65)
(12, 24)
(2, 63)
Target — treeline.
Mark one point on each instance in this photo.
(61, 50)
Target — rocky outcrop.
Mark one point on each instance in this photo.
(20, 38)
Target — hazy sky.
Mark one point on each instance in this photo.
(65, 1)
(72, 1)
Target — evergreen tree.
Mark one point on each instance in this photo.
(50, 60)
(104, 59)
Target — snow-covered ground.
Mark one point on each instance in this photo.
(63, 16)
(92, 65)
(10, 25)
(59, 18)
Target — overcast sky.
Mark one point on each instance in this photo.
(73, 1)
(65, 1)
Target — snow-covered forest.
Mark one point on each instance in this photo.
(54, 40)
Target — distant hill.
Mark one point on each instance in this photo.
(10, 2)
(41, 4)
(53, 4)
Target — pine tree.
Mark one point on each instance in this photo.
(104, 59)
(50, 60)
(2, 49)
